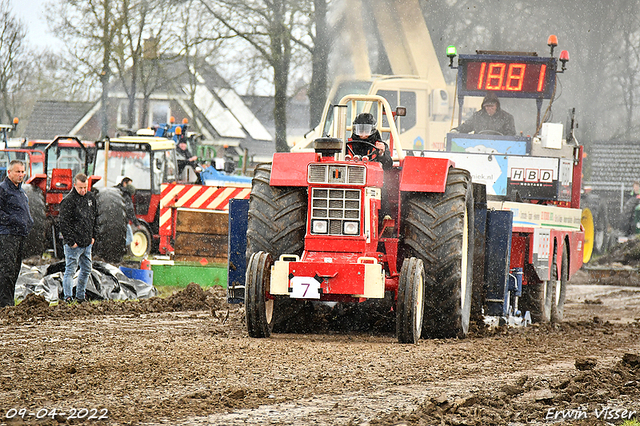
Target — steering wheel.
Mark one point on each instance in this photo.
(490, 132)
(373, 145)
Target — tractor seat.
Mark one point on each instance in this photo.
(61, 180)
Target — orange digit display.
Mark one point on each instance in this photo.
(481, 75)
(543, 71)
(515, 76)
(518, 77)
(495, 76)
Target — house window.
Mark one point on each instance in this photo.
(123, 117)
(160, 113)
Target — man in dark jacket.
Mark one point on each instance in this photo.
(491, 119)
(15, 224)
(366, 141)
(127, 190)
(78, 213)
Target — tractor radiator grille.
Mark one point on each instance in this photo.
(336, 210)
(336, 174)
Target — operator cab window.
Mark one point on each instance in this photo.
(403, 98)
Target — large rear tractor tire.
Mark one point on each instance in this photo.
(559, 287)
(410, 303)
(438, 229)
(34, 244)
(112, 226)
(277, 217)
(277, 225)
(258, 302)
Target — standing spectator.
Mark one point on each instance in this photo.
(128, 190)
(15, 224)
(78, 212)
(631, 223)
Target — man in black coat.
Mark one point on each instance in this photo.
(78, 213)
(490, 119)
(127, 190)
(366, 141)
(15, 224)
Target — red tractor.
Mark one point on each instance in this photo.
(326, 226)
(329, 226)
(52, 178)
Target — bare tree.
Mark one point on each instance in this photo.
(267, 26)
(140, 18)
(319, 48)
(12, 59)
(88, 29)
(197, 38)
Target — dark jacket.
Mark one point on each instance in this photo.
(128, 204)
(183, 154)
(362, 149)
(78, 218)
(501, 122)
(15, 217)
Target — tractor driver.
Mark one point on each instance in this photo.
(366, 141)
(490, 119)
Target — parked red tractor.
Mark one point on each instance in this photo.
(53, 171)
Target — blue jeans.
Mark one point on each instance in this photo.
(72, 257)
(129, 238)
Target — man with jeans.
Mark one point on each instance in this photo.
(15, 224)
(78, 213)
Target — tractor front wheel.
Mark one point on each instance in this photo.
(258, 302)
(141, 244)
(410, 303)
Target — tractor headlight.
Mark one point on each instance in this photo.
(319, 226)
(350, 228)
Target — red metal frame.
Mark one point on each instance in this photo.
(422, 174)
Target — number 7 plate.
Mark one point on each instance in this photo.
(304, 288)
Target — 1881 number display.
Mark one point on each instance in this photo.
(521, 77)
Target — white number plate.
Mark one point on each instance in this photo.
(304, 288)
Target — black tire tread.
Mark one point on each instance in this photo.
(277, 216)
(433, 231)
(112, 225)
(257, 286)
(35, 242)
(406, 330)
(557, 309)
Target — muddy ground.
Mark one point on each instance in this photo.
(187, 359)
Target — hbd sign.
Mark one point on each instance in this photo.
(539, 178)
(531, 175)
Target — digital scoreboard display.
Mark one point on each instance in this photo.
(506, 76)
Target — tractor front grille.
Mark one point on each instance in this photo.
(336, 174)
(339, 209)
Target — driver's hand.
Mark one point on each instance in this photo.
(380, 147)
